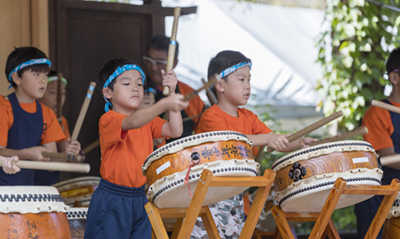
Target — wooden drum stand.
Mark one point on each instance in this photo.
(183, 228)
(323, 222)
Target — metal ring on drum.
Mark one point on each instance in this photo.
(305, 177)
(225, 153)
(32, 212)
(77, 192)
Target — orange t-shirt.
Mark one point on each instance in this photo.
(380, 127)
(124, 152)
(64, 127)
(215, 119)
(52, 131)
(196, 105)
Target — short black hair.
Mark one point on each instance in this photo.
(161, 43)
(52, 73)
(109, 68)
(23, 54)
(393, 61)
(223, 60)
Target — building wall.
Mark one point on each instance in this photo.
(22, 23)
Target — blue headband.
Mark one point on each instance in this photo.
(29, 63)
(114, 75)
(231, 69)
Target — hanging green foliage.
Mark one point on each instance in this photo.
(352, 54)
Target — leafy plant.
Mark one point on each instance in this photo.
(352, 54)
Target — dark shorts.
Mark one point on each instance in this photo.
(117, 212)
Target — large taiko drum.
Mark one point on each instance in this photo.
(225, 153)
(32, 212)
(77, 192)
(391, 228)
(304, 178)
(77, 221)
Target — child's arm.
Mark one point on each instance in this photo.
(173, 128)
(141, 117)
(279, 142)
(32, 153)
(9, 166)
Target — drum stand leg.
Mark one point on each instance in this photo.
(195, 208)
(323, 222)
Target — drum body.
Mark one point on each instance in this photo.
(225, 153)
(77, 192)
(32, 212)
(304, 178)
(77, 221)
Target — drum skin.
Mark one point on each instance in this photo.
(77, 192)
(209, 152)
(331, 163)
(32, 225)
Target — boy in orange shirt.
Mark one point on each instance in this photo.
(384, 136)
(27, 127)
(44, 177)
(233, 91)
(117, 206)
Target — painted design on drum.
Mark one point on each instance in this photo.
(297, 172)
(325, 164)
(209, 152)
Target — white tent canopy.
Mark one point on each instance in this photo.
(279, 40)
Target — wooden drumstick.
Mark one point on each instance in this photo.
(385, 106)
(210, 95)
(59, 96)
(310, 128)
(172, 46)
(65, 156)
(82, 114)
(206, 86)
(53, 166)
(91, 146)
(363, 130)
(392, 161)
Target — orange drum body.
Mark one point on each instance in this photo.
(77, 192)
(32, 212)
(77, 221)
(225, 153)
(304, 178)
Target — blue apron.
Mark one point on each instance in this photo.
(25, 132)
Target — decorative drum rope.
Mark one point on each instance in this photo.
(304, 178)
(225, 153)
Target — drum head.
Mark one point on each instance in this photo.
(171, 192)
(311, 195)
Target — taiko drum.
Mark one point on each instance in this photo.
(304, 178)
(32, 212)
(225, 153)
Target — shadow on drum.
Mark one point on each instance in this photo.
(77, 221)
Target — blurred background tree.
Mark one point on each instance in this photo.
(352, 55)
